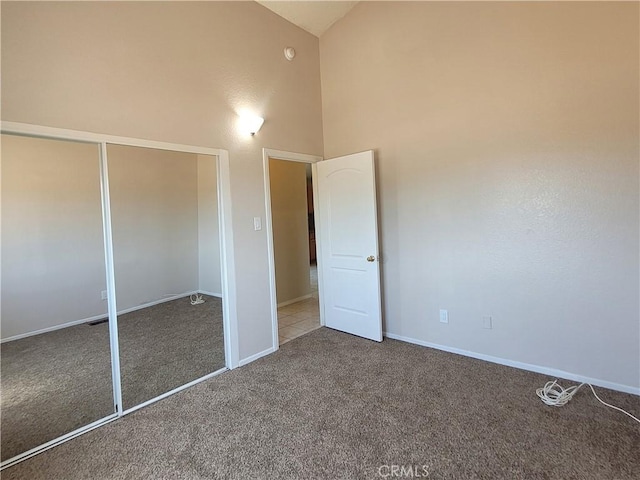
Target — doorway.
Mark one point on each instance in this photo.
(292, 244)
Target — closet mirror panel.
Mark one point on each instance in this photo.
(55, 368)
(167, 269)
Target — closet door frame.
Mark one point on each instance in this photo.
(227, 263)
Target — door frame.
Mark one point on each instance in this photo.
(268, 153)
(227, 260)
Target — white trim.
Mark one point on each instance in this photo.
(211, 294)
(104, 316)
(552, 372)
(57, 441)
(291, 156)
(175, 390)
(91, 137)
(295, 300)
(110, 278)
(319, 264)
(268, 153)
(55, 327)
(157, 302)
(253, 358)
(275, 339)
(227, 262)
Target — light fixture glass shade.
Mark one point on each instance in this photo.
(251, 124)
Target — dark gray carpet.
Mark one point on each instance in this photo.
(330, 405)
(59, 381)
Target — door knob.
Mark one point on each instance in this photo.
(371, 258)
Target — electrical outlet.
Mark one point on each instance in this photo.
(103, 295)
(487, 322)
(444, 316)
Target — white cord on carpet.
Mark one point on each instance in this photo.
(554, 395)
(196, 299)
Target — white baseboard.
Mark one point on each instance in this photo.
(97, 317)
(255, 357)
(156, 302)
(552, 372)
(295, 300)
(55, 327)
(211, 294)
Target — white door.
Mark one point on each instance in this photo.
(348, 245)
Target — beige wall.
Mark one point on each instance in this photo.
(174, 72)
(210, 279)
(290, 229)
(52, 244)
(154, 222)
(164, 219)
(506, 137)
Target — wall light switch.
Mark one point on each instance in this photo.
(487, 322)
(103, 294)
(257, 223)
(444, 316)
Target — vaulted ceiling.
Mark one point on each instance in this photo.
(314, 17)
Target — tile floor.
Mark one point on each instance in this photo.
(301, 317)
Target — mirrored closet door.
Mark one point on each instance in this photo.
(55, 372)
(166, 254)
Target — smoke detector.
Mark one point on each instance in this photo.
(289, 53)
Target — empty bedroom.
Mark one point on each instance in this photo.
(320, 240)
